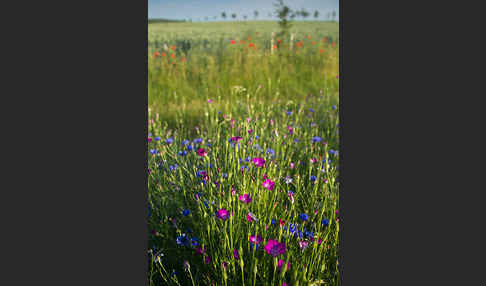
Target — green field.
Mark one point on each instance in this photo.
(243, 154)
(213, 66)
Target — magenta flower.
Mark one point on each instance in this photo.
(222, 214)
(251, 217)
(200, 250)
(256, 239)
(291, 130)
(236, 255)
(236, 139)
(285, 284)
(149, 139)
(259, 162)
(269, 185)
(224, 264)
(246, 198)
(275, 248)
(207, 259)
(210, 100)
(292, 165)
(281, 263)
(201, 152)
(233, 191)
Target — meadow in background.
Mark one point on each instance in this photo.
(243, 154)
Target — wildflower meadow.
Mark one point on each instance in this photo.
(243, 154)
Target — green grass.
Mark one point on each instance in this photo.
(284, 108)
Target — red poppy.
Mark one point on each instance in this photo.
(156, 54)
(233, 42)
(275, 47)
(164, 54)
(172, 55)
(278, 40)
(172, 47)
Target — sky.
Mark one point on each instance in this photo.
(199, 9)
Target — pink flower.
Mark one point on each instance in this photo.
(291, 130)
(292, 165)
(256, 239)
(210, 100)
(250, 131)
(259, 162)
(222, 214)
(282, 222)
(285, 284)
(233, 191)
(313, 160)
(275, 248)
(303, 244)
(281, 263)
(251, 217)
(201, 152)
(248, 119)
(149, 139)
(246, 198)
(269, 185)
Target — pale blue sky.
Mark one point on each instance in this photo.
(198, 9)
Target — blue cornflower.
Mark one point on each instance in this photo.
(308, 233)
(198, 140)
(173, 167)
(304, 217)
(169, 140)
(325, 222)
(271, 152)
(186, 212)
(292, 228)
(296, 140)
(189, 147)
(225, 175)
(311, 109)
(208, 144)
(185, 142)
(334, 107)
(257, 137)
(332, 152)
(251, 246)
(150, 134)
(316, 139)
(157, 138)
(153, 151)
(182, 239)
(181, 153)
(289, 112)
(313, 178)
(205, 201)
(195, 241)
(273, 222)
(247, 159)
(209, 165)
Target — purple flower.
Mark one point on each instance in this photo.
(274, 248)
(251, 217)
(259, 162)
(236, 255)
(316, 139)
(222, 214)
(246, 198)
